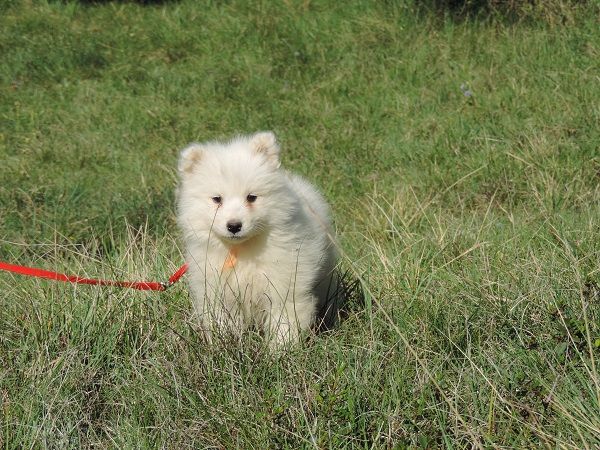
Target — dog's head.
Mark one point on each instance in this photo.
(232, 190)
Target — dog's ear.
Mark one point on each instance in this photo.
(265, 142)
(189, 157)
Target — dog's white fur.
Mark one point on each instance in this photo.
(278, 270)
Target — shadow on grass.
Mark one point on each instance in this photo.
(347, 298)
(509, 11)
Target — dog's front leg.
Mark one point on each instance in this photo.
(288, 319)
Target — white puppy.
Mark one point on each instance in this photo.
(258, 240)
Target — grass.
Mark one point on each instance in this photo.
(471, 221)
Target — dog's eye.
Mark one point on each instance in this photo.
(217, 199)
(251, 198)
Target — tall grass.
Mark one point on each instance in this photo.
(461, 161)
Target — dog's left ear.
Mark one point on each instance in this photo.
(189, 158)
(265, 142)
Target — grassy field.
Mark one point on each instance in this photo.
(462, 162)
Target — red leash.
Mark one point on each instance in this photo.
(139, 285)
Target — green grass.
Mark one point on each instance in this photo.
(473, 223)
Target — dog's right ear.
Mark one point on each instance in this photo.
(189, 158)
(265, 142)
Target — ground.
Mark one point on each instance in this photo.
(461, 159)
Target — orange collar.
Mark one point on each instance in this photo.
(231, 259)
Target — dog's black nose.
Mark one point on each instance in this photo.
(234, 226)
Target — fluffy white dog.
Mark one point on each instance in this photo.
(258, 240)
